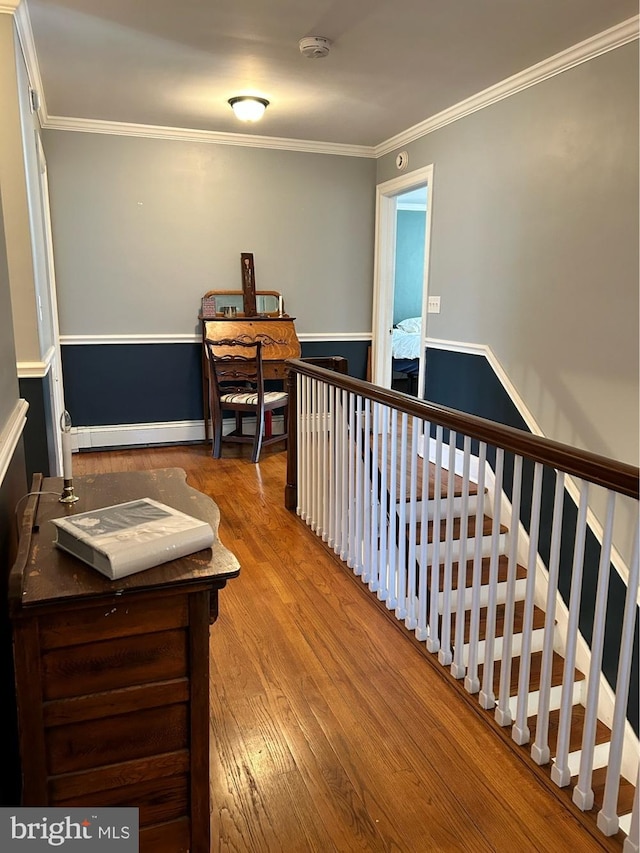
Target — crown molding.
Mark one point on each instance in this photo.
(610, 39)
(116, 128)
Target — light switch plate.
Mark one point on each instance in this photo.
(433, 305)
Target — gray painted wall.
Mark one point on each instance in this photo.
(142, 228)
(534, 246)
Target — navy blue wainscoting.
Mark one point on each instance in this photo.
(108, 384)
(39, 438)
(467, 382)
(354, 351)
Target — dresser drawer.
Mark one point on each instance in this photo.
(158, 800)
(98, 743)
(118, 617)
(112, 664)
(71, 788)
(173, 837)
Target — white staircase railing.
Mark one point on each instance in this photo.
(466, 578)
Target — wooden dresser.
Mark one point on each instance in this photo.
(112, 677)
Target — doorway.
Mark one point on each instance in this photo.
(401, 282)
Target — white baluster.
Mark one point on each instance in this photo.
(433, 643)
(560, 772)
(323, 464)
(583, 792)
(376, 500)
(329, 450)
(632, 841)
(608, 821)
(314, 455)
(392, 465)
(369, 493)
(503, 712)
(472, 682)
(328, 458)
(303, 415)
(401, 570)
(331, 465)
(444, 655)
(311, 519)
(360, 491)
(337, 471)
(317, 460)
(340, 471)
(383, 560)
(411, 621)
(540, 748)
(457, 667)
(344, 468)
(520, 732)
(486, 697)
(423, 589)
(351, 461)
(309, 451)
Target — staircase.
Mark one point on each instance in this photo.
(501, 622)
(500, 633)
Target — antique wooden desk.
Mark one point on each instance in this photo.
(112, 677)
(279, 342)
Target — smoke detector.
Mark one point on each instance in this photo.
(314, 47)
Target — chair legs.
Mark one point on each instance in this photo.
(216, 439)
(257, 440)
(261, 436)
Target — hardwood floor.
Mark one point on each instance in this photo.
(330, 731)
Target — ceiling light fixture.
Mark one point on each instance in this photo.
(248, 107)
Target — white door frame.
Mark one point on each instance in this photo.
(56, 382)
(384, 272)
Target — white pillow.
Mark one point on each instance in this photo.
(411, 324)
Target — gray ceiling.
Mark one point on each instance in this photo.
(392, 64)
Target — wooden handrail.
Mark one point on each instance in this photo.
(617, 476)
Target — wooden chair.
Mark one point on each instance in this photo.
(236, 385)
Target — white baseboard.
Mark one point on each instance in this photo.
(135, 435)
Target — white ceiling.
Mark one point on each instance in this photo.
(393, 63)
